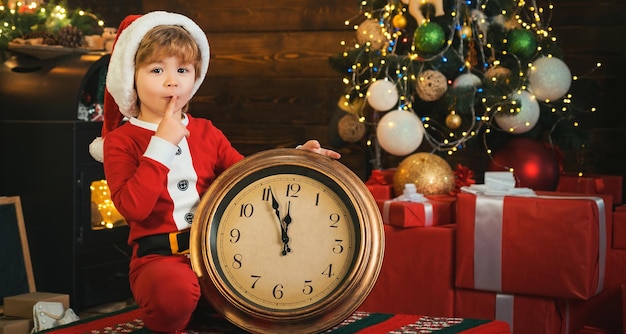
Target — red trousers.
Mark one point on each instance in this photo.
(166, 290)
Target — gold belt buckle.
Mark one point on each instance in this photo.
(174, 247)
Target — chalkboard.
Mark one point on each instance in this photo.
(16, 271)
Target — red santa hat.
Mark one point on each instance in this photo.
(120, 97)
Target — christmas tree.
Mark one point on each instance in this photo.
(456, 73)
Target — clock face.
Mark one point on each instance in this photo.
(283, 240)
(287, 241)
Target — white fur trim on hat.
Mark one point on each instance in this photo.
(120, 78)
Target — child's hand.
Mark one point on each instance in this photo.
(314, 146)
(171, 128)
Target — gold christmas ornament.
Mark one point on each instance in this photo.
(453, 121)
(431, 174)
(399, 21)
(350, 129)
(465, 32)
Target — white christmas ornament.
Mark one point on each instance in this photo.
(522, 121)
(382, 95)
(549, 78)
(467, 79)
(400, 132)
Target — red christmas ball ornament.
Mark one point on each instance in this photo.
(535, 165)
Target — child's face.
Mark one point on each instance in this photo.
(157, 82)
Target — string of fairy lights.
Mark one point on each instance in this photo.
(104, 214)
(476, 67)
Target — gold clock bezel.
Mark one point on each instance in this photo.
(339, 303)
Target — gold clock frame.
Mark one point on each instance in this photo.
(339, 303)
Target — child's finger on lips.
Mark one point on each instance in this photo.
(170, 109)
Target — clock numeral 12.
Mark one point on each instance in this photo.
(292, 190)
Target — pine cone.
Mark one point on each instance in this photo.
(36, 34)
(71, 37)
(51, 40)
(46, 37)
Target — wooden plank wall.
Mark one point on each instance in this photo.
(593, 32)
(270, 85)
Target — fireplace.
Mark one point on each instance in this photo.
(48, 118)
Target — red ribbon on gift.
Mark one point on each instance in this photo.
(463, 177)
(377, 177)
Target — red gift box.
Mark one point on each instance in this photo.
(602, 312)
(380, 183)
(524, 314)
(417, 273)
(380, 192)
(451, 200)
(592, 184)
(437, 210)
(537, 245)
(619, 229)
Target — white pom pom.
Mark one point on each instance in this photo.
(96, 149)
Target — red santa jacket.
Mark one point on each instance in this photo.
(157, 186)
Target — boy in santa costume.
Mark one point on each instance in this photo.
(160, 162)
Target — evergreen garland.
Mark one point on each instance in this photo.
(25, 20)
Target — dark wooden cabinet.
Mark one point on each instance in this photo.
(44, 159)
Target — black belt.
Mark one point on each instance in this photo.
(164, 244)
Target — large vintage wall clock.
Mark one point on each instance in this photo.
(287, 241)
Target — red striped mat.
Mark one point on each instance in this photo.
(129, 321)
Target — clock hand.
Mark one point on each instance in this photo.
(286, 248)
(285, 228)
(287, 219)
(275, 205)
